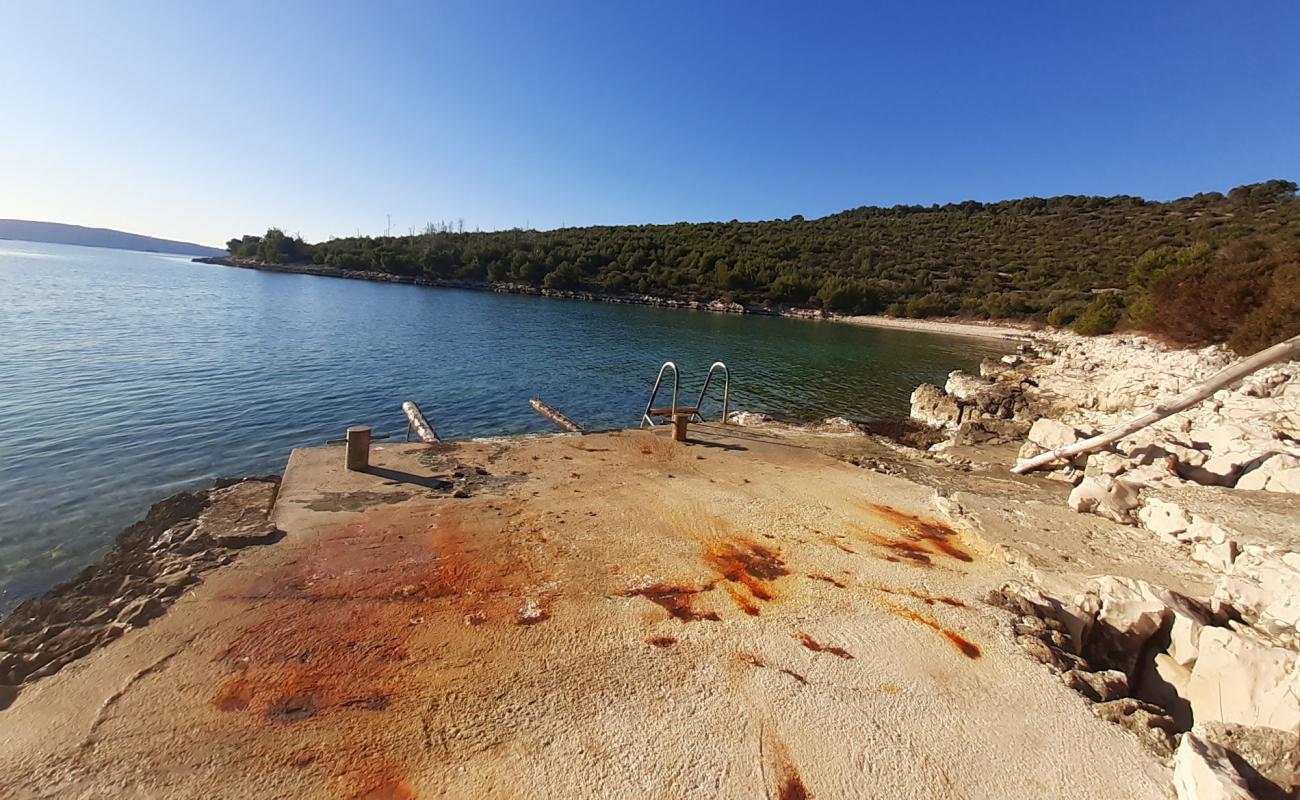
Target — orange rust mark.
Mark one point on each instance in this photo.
(751, 659)
(378, 780)
(889, 688)
(789, 784)
(234, 695)
(936, 535)
(792, 787)
(676, 600)
(745, 563)
(332, 651)
(794, 675)
(828, 579)
(742, 602)
(393, 790)
(928, 599)
(817, 647)
(661, 641)
(963, 645)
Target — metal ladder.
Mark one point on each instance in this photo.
(647, 418)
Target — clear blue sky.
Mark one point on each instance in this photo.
(204, 122)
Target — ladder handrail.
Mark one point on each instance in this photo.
(645, 418)
(726, 390)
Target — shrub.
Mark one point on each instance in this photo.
(1202, 304)
(1099, 316)
(1277, 318)
(1066, 313)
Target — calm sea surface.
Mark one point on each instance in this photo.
(125, 377)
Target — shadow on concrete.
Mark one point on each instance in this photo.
(397, 476)
(716, 445)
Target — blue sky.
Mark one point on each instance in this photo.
(203, 122)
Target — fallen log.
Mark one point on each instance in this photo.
(1282, 351)
(552, 415)
(415, 421)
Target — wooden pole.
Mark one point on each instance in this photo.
(357, 455)
(416, 421)
(1282, 351)
(679, 426)
(554, 416)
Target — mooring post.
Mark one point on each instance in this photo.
(358, 447)
(679, 426)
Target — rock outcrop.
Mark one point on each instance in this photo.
(151, 564)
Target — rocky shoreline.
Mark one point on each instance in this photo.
(152, 564)
(1211, 682)
(947, 327)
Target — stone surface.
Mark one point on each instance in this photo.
(1241, 679)
(1154, 729)
(1278, 472)
(1098, 687)
(1185, 636)
(1163, 518)
(385, 645)
(1267, 758)
(150, 564)
(1111, 498)
(1203, 771)
(933, 406)
(1264, 585)
(1050, 434)
(1128, 613)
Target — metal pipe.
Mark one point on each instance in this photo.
(726, 390)
(645, 418)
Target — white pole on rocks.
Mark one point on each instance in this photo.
(1282, 351)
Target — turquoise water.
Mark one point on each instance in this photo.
(125, 377)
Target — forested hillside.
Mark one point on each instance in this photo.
(1093, 262)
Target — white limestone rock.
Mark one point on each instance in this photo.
(1218, 557)
(1279, 472)
(934, 407)
(1264, 585)
(1107, 463)
(1050, 434)
(1185, 636)
(1203, 771)
(1126, 613)
(1111, 498)
(1241, 678)
(1163, 518)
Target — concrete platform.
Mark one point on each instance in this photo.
(610, 615)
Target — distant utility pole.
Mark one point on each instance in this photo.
(388, 231)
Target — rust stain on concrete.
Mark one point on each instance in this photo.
(818, 647)
(919, 541)
(965, 646)
(678, 601)
(342, 644)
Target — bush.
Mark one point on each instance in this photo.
(1246, 297)
(1100, 316)
(566, 277)
(1066, 313)
(1277, 318)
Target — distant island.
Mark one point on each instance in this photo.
(1212, 267)
(59, 233)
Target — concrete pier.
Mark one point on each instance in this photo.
(614, 615)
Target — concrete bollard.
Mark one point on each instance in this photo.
(358, 447)
(679, 426)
